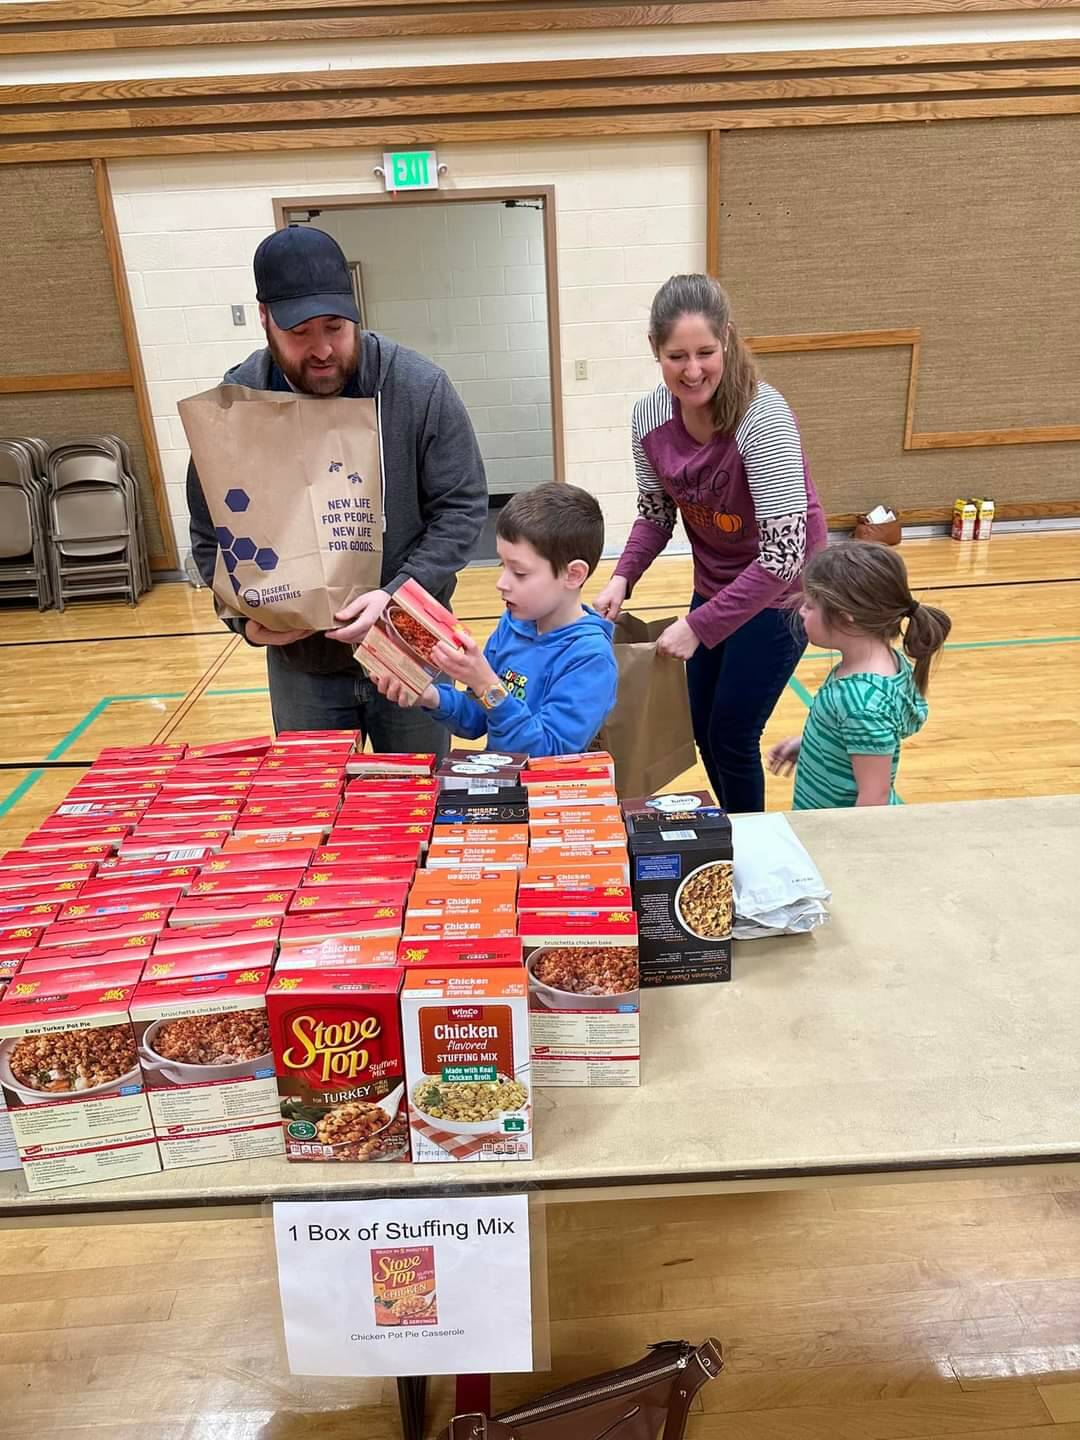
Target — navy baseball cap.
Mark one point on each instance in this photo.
(301, 272)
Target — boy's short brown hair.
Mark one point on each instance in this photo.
(560, 522)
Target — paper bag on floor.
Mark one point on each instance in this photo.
(648, 734)
(294, 488)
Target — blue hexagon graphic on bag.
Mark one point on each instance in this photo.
(266, 559)
(224, 537)
(230, 560)
(237, 500)
(244, 547)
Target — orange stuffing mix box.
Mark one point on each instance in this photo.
(204, 1043)
(337, 1047)
(429, 902)
(577, 874)
(340, 952)
(611, 836)
(474, 928)
(480, 835)
(559, 794)
(488, 857)
(466, 1037)
(438, 954)
(71, 1080)
(553, 819)
(588, 760)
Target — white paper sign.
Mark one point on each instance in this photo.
(405, 1287)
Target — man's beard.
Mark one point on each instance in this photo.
(326, 383)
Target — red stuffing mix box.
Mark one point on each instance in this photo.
(204, 1045)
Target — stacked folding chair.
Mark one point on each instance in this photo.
(96, 540)
(24, 554)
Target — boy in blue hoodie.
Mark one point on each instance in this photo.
(545, 681)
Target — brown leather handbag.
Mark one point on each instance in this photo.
(646, 1401)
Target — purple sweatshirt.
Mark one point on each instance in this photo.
(747, 502)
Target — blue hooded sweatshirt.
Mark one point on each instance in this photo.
(562, 685)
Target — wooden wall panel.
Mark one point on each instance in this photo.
(66, 369)
(60, 309)
(960, 230)
(59, 28)
(850, 407)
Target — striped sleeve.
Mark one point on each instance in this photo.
(656, 516)
(768, 441)
(771, 448)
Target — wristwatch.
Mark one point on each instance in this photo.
(492, 696)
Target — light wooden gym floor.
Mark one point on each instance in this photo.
(866, 1311)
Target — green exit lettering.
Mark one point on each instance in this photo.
(411, 170)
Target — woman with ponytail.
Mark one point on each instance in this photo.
(717, 445)
(856, 599)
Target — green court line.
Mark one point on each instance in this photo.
(27, 783)
(801, 691)
(96, 711)
(974, 645)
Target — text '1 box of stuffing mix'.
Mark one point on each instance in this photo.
(467, 1064)
(204, 1044)
(584, 1001)
(69, 1070)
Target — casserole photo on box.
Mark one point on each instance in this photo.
(233, 1045)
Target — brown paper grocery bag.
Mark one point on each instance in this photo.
(648, 733)
(294, 488)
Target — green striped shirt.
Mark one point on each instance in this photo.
(856, 715)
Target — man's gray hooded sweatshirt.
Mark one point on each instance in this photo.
(436, 493)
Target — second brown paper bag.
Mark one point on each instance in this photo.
(294, 488)
(648, 734)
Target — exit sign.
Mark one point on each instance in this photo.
(411, 170)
